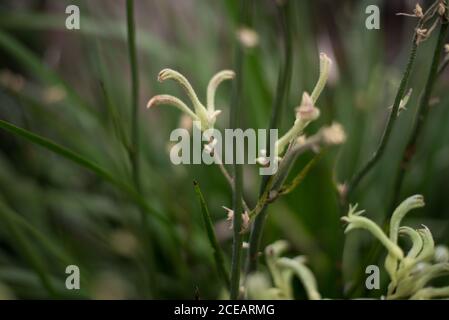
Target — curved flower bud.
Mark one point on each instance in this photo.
(171, 100)
(409, 264)
(206, 117)
(307, 111)
(408, 204)
(272, 253)
(413, 202)
(428, 248)
(355, 221)
(303, 273)
(417, 242)
(325, 65)
(167, 74)
(200, 110)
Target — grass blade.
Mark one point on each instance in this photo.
(134, 153)
(218, 253)
(80, 160)
(237, 194)
(282, 90)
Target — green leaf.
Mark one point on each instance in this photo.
(80, 160)
(218, 253)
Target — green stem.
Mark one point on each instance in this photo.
(134, 153)
(391, 121)
(238, 181)
(422, 113)
(282, 90)
(235, 122)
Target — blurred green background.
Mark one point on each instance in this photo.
(74, 87)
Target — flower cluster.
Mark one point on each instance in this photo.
(205, 116)
(305, 113)
(410, 272)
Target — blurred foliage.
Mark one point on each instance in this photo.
(73, 87)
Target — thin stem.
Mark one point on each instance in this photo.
(134, 153)
(422, 113)
(235, 117)
(29, 253)
(134, 150)
(275, 186)
(391, 120)
(237, 187)
(218, 253)
(283, 86)
(228, 178)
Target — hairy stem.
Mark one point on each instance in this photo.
(134, 153)
(422, 113)
(389, 127)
